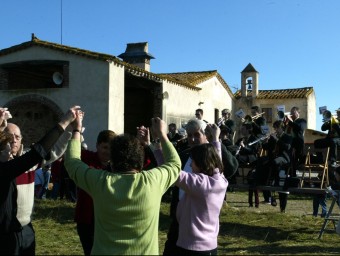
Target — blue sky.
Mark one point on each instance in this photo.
(292, 43)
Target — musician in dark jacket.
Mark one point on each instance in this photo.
(258, 122)
(332, 139)
(278, 149)
(226, 123)
(295, 127)
(247, 154)
(247, 151)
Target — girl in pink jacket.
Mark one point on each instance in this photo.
(199, 207)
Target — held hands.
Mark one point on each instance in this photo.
(214, 131)
(69, 117)
(4, 115)
(158, 128)
(77, 124)
(143, 134)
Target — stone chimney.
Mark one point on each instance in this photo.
(137, 54)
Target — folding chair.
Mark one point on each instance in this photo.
(316, 172)
(329, 217)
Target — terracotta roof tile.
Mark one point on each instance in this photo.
(192, 78)
(195, 78)
(187, 79)
(280, 94)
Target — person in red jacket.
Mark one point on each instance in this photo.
(84, 215)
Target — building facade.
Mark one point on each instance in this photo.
(40, 80)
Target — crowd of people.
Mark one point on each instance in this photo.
(119, 187)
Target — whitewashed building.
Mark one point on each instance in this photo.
(40, 80)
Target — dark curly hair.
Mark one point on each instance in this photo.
(127, 153)
(105, 136)
(206, 158)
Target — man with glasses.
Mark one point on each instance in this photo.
(25, 186)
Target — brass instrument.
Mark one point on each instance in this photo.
(334, 120)
(281, 116)
(179, 141)
(220, 121)
(261, 139)
(248, 119)
(328, 116)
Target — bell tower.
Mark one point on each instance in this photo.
(249, 82)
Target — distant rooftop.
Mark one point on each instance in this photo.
(279, 94)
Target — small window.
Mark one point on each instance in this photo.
(34, 74)
(268, 114)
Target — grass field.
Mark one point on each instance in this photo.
(243, 230)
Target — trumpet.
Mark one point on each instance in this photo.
(257, 116)
(248, 119)
(282, 115)
(220, 121)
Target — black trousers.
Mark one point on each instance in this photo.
(266, 169)
(182, 251)
(170, 247)
(86, 236)
(18, 243)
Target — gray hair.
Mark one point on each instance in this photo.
(195, 124)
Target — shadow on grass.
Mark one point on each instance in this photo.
(268, 234)
(61, 211)
(272, 240)
(279, 249)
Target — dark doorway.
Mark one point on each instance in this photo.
(142, 102)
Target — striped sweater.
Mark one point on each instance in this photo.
(25, 182)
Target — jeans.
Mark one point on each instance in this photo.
(319, 200)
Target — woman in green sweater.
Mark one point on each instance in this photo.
(126, 200)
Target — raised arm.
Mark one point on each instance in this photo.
(215, 132)
(169, 170)
(13, 168)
